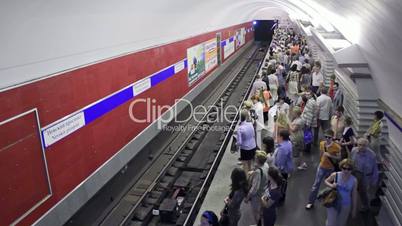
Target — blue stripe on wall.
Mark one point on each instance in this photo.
(97, 110)
(223, 43)
(231, 39)
(162, 75)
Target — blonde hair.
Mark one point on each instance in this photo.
(260, 157)
(346, 162)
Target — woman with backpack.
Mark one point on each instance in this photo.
(258, 182)
(239, 189)
(272, 196)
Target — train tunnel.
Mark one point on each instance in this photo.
(96, 98)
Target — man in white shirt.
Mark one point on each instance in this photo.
(258, 85)
(259, 122)
(324, 104)
(318, 79)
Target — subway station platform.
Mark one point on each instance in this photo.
(293, 212)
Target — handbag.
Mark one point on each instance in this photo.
(234, 148)
(224, 219)
(329, 196)
(308, 136)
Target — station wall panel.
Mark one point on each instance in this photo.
(72, 159)
(23, 176)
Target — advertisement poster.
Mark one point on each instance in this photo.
(229, 48)
(211, 54)
(196, 62)
(240, 37)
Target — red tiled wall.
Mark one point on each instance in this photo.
(75, 157)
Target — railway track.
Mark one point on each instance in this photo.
(171, 189)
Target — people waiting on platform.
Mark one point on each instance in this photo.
(366, 171)
(338, 122)
(305, 76)
(272, 196)
(338, 96)
(296, 128)
(258, 85)
(273, 84)
(246, 140)
(309, 114)
(330, 153)
(317, 78)
(238, 191)
(293, 83)
(348, 138)
(259, 118)
(258, 180)
(283, 157)
(324, 111)
(346, 185)
(373, 134)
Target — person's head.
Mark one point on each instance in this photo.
(378, 115)
(281, 100)
(336, 86)
(260, 157)
(346, 165)
(304, 98)
(244, 115)
(239, 180)
(362, 143)
(297, 111)
(324, 90)
(257, 76)
(294, 67)
(255, 98)
(317, 67)
(283, 135)
(348, 121)
(269, 144)
(248, 104)
(304, 70)
(329, 134)
(275, 175)
(339, 111)
(317, 64)
(209, 218)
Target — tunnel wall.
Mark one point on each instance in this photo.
(70, 160)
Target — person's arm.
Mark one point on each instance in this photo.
(336, 156)
(330, 181)
(354, 199)
(266, 201)
(375, 174)
(239, 138)
(255, 184)
(280, 159)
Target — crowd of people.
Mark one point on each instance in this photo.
(290, 94)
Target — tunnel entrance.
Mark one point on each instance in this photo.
(264, 29)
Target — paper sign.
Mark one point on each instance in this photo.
(141, 86)
(62, 129)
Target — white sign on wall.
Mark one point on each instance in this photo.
(62, 129)
(178, 67)
(141, 86)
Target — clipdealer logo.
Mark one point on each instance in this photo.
(154, 111)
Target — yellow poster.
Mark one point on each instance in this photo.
(211, 56)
